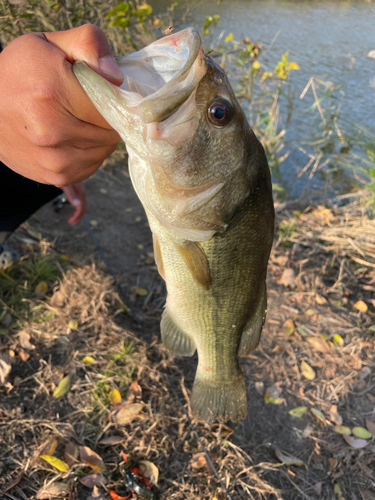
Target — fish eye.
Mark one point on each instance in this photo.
(220, 113)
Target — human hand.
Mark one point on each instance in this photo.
(76, 196)
(49, 129)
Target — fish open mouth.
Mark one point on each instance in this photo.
(162, 76)
(158, 79)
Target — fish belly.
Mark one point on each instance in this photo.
(223, 321)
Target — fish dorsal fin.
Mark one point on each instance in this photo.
(197, 262)
(158, 257)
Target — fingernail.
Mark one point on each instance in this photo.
(76, 202)
(110, 67)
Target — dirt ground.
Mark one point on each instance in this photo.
(316, 357)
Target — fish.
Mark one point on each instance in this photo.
(204, 182)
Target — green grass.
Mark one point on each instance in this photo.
(18, 285)
(117, 374)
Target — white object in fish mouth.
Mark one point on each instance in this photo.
(371, 54)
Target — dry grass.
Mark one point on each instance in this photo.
(303, 319)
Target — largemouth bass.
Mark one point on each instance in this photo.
(203, 179)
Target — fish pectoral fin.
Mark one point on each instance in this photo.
(196, 261)
(174, 339)
(158, 257)
(251, 334)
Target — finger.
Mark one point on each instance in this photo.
(81, 195)
(88, 43)
(55, 91)
(77, 197)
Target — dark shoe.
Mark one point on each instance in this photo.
(7, 256)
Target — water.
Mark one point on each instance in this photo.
(323, 37)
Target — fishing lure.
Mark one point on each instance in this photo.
(135, 483)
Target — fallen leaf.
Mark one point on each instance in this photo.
(298, 412)
(362, 433)
(287, 459)
(103, 190)
(111, 440)
(310, 312)
(302, 331)
(355, 362)
(55, 462)
(62, 388)
(259, 387)
(338, 492)
(73, 324)
(342, 429)
(115, 397)
(365, 372)
(288, 327)
(24, 356)
(332, 463)
(71, 453)
(41, 288)
(58, 299)
(126, 412)
(319, 299)
(319, 415)
(150, 471)
(272, 394)
(318, 488)
(53, 490)
(46, 448)
(338, 340)
(370, 426)
(93, 223)
(88, 360)
(24, 341)
(199, 461)
(287, 279)
(318, 344)
(135, 391)
(93, 480)
(307, 371)
(354, 442)
(334, 416)
(5, 368)
(89, 457)
(361, 306)
(281, 260)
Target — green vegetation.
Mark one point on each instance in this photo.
(340, 156)
(23, 284)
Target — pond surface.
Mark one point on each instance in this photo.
(328, 39)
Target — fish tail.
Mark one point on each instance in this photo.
(219, 402)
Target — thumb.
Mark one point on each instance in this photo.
(88, 43)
